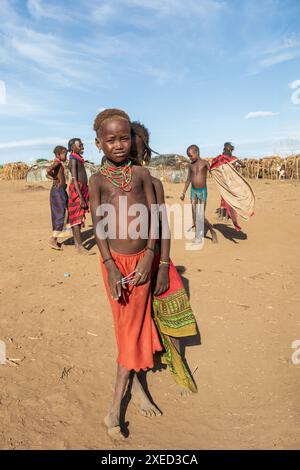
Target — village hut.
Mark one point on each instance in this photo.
(273, 167)
(14, 171)
(171, 167)
(38, 173)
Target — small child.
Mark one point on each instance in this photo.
(78, 192)
(58, 196)
(197, 176)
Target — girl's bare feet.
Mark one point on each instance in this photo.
(112, 423)
(184, 392)
(144, 405)
(141, 400)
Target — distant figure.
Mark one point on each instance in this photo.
(78, 192)
(280, 171)
(197, 176)
(236, 194)
(58, 196)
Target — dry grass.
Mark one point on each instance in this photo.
(14, 171)
(273, 167)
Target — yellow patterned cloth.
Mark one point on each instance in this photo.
(174, 318)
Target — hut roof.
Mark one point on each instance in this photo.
(169, 160)
(38, 171)
(14, 171)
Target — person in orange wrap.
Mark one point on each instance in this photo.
(126, 259)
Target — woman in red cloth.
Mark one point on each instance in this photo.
(78, 192)
(226, 157)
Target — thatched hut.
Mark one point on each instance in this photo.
(14, 171)
(274, 167)
(37, 173)
(171, 168)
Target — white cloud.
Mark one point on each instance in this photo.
(283, 50)
(286, 43)
(59, 62)
(40, 9)
(31, 143)
(2, 92)
(101, 13)
(173, 7)
(259, 114)
(17, 105)
(277, 59)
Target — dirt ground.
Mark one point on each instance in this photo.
(245, 294)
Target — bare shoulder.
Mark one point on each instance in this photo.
(157, 183)
(141, 171)
(96, 179)
(159, 190)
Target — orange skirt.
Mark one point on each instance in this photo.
(136, 334)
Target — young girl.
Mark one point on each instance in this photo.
(126, 260)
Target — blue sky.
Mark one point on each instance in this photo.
(193, 71)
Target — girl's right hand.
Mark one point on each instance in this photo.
(114, 281)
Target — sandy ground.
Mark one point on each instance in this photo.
(245, 294)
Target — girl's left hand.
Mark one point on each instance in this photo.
(162, 280)
(143, 269)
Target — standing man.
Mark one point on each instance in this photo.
(78, 192)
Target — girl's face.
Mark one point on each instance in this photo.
(115, 139)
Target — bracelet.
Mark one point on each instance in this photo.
(167, 263)
(148, 248)
(107, 259)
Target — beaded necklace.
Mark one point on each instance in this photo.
(119, 176)
(77, 157)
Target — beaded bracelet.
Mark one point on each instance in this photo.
(148, 248)
(166, 263)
